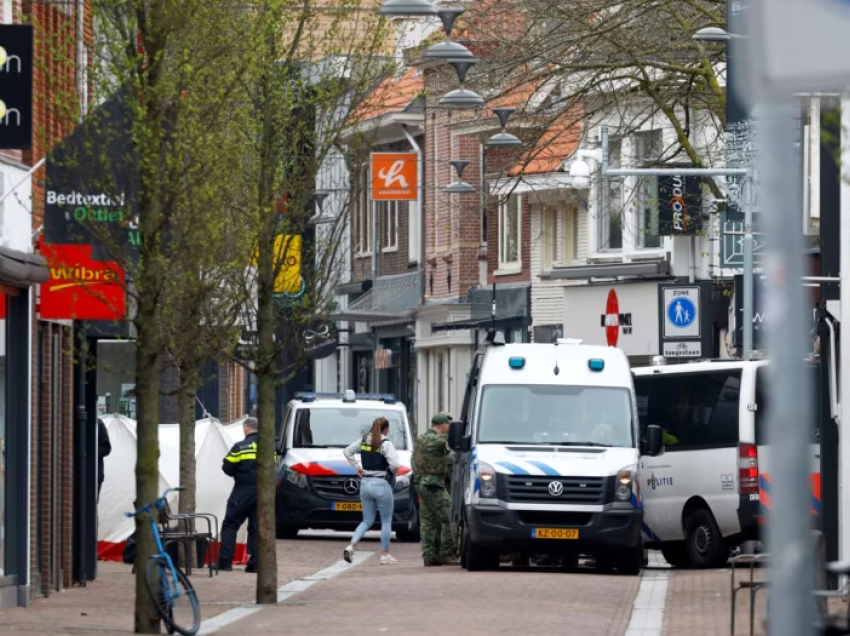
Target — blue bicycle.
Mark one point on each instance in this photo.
(168, 586)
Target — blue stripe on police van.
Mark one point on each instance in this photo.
(547, 470)
(516, 470)
(646, 529)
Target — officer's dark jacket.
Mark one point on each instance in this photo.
(241, 462)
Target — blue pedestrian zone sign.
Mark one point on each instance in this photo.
(681, 312)
(681, 307)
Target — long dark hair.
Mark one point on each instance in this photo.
(379, 426)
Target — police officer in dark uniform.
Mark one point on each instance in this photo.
(241, 464)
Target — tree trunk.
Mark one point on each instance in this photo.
(186, 407)
(147, 619)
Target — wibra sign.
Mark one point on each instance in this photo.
(81, 288)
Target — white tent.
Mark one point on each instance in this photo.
(212, 442)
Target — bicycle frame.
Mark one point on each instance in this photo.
(173, 592)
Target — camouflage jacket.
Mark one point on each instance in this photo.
(432, 460)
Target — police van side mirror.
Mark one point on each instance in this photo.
(457, 442)
(654, 444)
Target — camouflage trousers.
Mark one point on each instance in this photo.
(435, 521)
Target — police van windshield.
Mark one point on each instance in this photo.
(560, 415)
(338, 427)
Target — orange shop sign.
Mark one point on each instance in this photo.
(81, 288)
(395, 176)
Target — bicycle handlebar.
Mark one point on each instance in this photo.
(147, 507)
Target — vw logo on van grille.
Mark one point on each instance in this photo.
(556, 488)
(351, 486)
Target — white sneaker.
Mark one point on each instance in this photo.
(348, 554)
(388, 560)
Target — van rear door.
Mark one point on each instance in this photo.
(761, 433)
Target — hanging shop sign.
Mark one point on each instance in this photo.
(679, 206)
(90, 197)
(319, 339)
(395, 176)
(16, 66)
(81, 288)
(287, 263)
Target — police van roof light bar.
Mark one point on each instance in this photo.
(348, 396)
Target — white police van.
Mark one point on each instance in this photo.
(711, 490)
(547, 456)
(316, 486)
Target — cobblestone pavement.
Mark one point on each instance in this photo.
(406, 598)
(105, 605)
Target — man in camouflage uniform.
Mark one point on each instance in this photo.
(432, 470)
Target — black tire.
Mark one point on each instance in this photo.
(158, 573)
(286, 532)
(630, 562)
(478, 558)
(410, 534)
(704, 545)
(674, 553)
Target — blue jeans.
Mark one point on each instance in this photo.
(376, 495)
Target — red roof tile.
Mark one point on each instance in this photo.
(393, 95)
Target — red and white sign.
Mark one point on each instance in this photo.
(395, 176)
(623, 316)
(81, 288)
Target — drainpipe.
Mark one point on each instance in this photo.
(420, 202)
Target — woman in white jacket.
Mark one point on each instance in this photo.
(378, 464)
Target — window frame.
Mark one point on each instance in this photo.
(549, 233)
(616, 186)
(688, 379)
(504, 211)
(647, 205)
(389, 211)
(569, 237)
(365, 207)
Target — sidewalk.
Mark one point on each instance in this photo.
(105, 606)
(699, 603)
(409, 599)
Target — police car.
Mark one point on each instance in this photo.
(316, 487)
(548, 456)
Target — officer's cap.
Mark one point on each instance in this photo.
(441, 418)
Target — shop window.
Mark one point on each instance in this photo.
(696, 410)
(510, 228)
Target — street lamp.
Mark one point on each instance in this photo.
(448, 50)
(460, 186)
(503, 139)
(715, 34)
(462, 96)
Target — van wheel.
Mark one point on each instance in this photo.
(674, 554)
(287, 532)
(478, 558)
(629, 562)
(704, 545)
(411, 533)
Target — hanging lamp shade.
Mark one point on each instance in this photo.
(503, 140)
(459, 187)
(403, 8)
(461, 97)
(448, 51)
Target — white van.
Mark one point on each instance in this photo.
(547, 456)
(711, 489)
(316, 486)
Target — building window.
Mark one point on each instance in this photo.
(510, 226)
(388, 211)
(363, 219)
(441, 378)
(549, 236)
(569, 235)
(610, 216)
(648, 147)
(647, 207)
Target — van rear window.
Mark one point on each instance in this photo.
(695, 410)
(763, 406)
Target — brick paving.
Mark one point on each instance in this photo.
(407, 598)
(105, 606)
(699, 603)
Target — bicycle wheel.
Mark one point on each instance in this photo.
(181, 612)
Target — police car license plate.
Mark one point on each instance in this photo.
(554, 533)
(346, 506)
